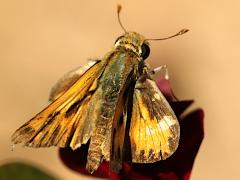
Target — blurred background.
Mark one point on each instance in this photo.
(41, 40)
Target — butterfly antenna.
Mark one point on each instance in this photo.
(183, 31)
(119, 8)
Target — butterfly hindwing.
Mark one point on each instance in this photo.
(154, 130)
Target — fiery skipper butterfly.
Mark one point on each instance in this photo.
(110, 102)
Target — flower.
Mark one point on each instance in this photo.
(178, 166)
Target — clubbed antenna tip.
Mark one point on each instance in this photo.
(119, 8)
(183, 31)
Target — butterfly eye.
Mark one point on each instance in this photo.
(118, 39)
(145, 51)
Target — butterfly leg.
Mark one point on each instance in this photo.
(161, 69)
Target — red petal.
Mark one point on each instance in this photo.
(180, 106)
(165, 88)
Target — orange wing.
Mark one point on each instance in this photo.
(66, 120)
(68, 79)
(154, 130)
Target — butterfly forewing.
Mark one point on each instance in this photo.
(154, 130)
(55, 125)
(120, 127)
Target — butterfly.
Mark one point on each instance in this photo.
(111, 103)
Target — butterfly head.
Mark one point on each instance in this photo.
(134, 42)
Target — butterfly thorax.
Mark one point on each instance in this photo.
(130, 41)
